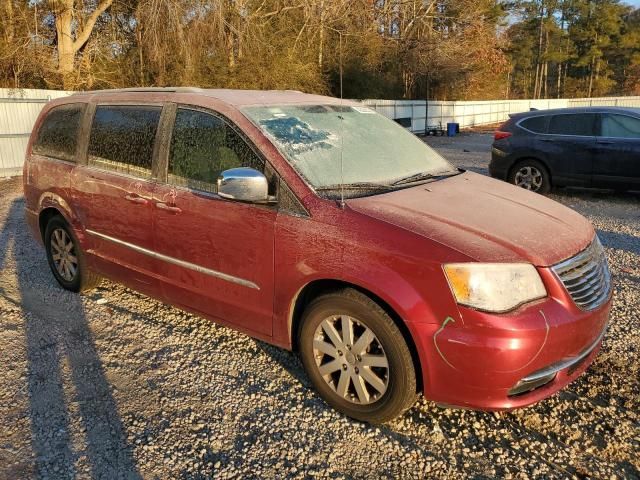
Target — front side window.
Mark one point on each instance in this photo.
(203, 146)
(57, 137)
(620, 126)
(583, 124)
(122, 139)
(330, 145)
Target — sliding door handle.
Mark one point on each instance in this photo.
(168, 208)
(134, 198)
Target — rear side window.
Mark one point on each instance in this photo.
(583, 124)
(620, 126)
(203, 145)
(57, 137)
(122, 139)
(535, 124)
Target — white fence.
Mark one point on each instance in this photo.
(20, 108)
(475, 113)
(18, 112)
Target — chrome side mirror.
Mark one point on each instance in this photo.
(243, 184)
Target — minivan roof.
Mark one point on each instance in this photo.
(602, 109)
(237, 98)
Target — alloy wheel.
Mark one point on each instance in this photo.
(350, 358)
(528, 177)
(63, 254)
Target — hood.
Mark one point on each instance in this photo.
(485, 219)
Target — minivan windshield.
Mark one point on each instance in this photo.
(377, 154)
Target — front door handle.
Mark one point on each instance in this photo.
(132, 197)
(168, 208)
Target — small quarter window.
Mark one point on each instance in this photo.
(535, 124)
(203, 146)
(620, 126)
(122, 139)
(582, 124)
(57, 136)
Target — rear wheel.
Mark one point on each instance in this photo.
(356, 357)
(530, 175)
(66, 259)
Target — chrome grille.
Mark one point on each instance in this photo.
(586, 276)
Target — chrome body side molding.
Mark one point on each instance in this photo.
(177, 261)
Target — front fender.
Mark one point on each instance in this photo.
(414, 288)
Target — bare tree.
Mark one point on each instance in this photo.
(72, 32)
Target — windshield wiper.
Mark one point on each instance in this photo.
(418, 177)
(356, 186)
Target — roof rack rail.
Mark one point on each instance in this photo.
(143, 90)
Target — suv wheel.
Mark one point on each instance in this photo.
(66, 258)
(531, 175)
(356, 357)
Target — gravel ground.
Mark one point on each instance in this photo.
(116, 385)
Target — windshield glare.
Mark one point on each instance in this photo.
(374, 149)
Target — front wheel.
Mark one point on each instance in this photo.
(356, 357)
(531, 175)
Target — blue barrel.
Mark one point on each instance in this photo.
(452, 129)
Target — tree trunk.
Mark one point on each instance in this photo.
(140, 54)
(538, 85)
(67, 46)
(558, 84)
(66, 53)
(590, 79)
(321, 40)
(10, 30)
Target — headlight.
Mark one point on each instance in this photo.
(494, 287)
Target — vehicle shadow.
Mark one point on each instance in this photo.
(597, 194)
(287, 360)
(620, 241)
(74, 418)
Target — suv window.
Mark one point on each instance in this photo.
(620, 126)
(582, 124)
(535, 124)
(122, 138)
(202, 146)
(59, 131)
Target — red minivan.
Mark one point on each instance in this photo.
(321, 226)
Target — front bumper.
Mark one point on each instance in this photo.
(488, 361)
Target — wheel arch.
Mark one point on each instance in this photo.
(45, 215)
(319, 287)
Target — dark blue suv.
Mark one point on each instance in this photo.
(586, 147)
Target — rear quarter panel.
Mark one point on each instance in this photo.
(45, 180)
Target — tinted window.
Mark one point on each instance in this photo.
(578, 124)
(122, 139)
(535, 124)
(59, 131)
(204, 145)
(621, 126)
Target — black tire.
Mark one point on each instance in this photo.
(400, 393)
(82, 279)
(534, 166)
